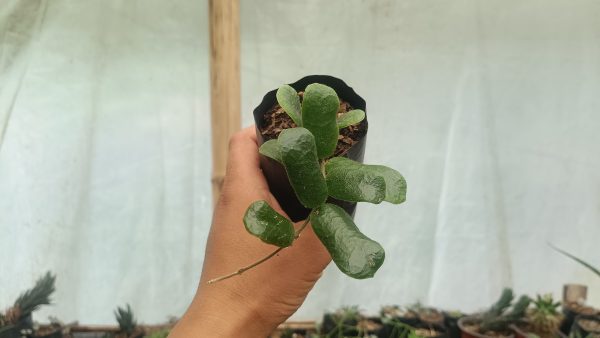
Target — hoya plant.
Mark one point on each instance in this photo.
(316, 175)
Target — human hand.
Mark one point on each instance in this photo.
(255, 302)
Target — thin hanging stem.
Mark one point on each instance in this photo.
(262, 260)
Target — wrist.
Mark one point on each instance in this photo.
(214, 318)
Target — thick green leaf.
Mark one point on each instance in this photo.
(267, 224)
(299, 157)
(354, 253)
(395, 184)
(319, 115)
(356, 182)
(350, 118)
(350, 181)
(288, 99)
(271, 149)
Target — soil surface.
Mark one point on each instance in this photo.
(427, 333)
(581, 309)
(526, 329)
(276, 120)
(367, 325)
(431, 316)
(590, 325)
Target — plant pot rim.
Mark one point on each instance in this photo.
(524, 333)
(469, 319)
(595, 318)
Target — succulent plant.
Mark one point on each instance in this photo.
(544, 317)
(128, 326)
(29, 301)
(501, 315)
(307, 154)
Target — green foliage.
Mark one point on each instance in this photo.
(319, 116)
(348, 180)
(350, 118)
(345, 321)
(354, 253)
(28, 302)
(288, 99)
(578, 260)
(267, 224)
(126, 319)
(164, 333)
(500, 316)
(545, 318)
(271, 149)
(305, 153)
(37, 296)
(356, 182)
(299, 157)
(399, 329)
(395, 185)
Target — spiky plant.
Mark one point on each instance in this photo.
(500, 316)
(544, 318)
(29, 301)
(578, 260)
(126, 319)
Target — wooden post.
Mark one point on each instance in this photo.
(224, 21)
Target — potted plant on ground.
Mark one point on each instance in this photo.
(429, 316)
(543, 320)
(16, 320)
(400, 322)
(587, 314)
(586, 326)
(311, 155)
(451, 319)
(341, 323)
(128, 326)
(496, 321)
(396, 313)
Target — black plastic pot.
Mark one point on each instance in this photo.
(578, 330)
(274, 171)
(12, 332)
(331, 327)
(397, 326)
(571, 311)
(21, 329)
(451, 323)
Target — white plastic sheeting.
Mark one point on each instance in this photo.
(489, 108)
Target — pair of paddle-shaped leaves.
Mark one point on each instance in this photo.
(304, 153)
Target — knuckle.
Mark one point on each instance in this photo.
(236, 139)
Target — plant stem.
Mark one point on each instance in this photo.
(262, 260)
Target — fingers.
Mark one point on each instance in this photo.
(243, 165)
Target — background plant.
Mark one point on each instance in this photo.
(128, 326)
(501, 315)
(28, 302)
(545, 318)
(578, 260)
(306, 153)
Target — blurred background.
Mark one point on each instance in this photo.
(490, 109)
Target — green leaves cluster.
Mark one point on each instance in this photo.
(305, 153)
(504, 313)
